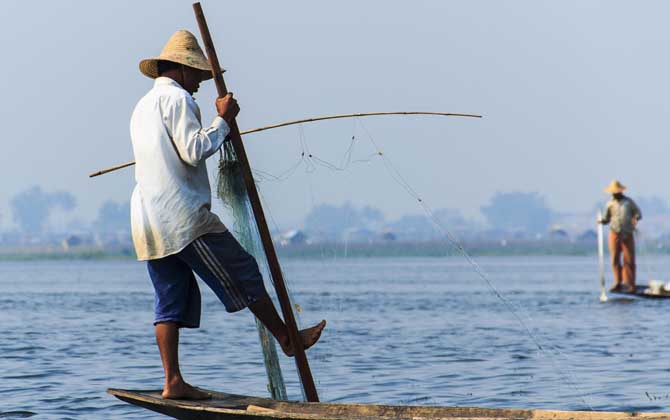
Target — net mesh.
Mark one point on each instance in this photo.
(232, 193)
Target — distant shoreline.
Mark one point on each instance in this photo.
(352, 250)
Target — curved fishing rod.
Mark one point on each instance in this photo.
(313, 119)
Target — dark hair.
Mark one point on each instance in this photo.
(164, 65)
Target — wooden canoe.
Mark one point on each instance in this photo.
(237, 407)
(644, 292)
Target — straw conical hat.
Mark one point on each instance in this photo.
(615, 187)
(181, 48)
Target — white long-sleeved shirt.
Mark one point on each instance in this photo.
(171, 203)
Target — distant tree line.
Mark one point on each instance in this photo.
(512, 212)
(32, 208)
(518, 212)
(526, 212)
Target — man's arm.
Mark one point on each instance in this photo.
(193, 142)
(608, 214)
(637, 214)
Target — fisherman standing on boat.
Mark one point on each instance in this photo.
(622, 214)
(172, 226)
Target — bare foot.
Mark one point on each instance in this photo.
(184, 391)
(309, 337)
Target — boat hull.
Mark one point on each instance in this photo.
(237, 407)
(642, 292)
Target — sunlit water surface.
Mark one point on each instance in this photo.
(400, 331)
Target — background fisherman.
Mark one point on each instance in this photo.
(173, 228)
(622, 214)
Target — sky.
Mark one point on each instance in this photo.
(573, 93)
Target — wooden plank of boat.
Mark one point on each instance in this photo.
(645, 292)
(238, 407)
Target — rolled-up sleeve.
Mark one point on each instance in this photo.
(193, 142)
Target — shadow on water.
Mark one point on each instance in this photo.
(622, 300)
(16, 414)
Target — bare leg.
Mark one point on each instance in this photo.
(265, 311)
(167, 338)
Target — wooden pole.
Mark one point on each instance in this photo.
(601, 257)
(357, 114)
(112, 169)
(273, 262)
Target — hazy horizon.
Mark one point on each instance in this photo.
(573, 94)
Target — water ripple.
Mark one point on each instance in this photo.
(406, 331)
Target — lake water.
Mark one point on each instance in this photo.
(400, 331)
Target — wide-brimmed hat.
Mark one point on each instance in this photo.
(181, 48)
(615, 187)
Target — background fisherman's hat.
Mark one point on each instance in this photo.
(615, 187)
(181, 48)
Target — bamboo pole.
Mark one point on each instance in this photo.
(601, 257)
(273, 262)
(360, 114)
(112, 169)
(312, 119)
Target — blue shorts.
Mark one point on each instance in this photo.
(220, 261)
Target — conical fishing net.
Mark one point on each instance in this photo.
(233, 194)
